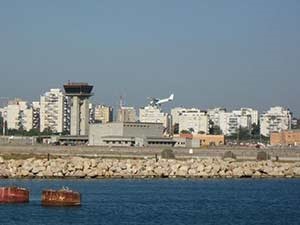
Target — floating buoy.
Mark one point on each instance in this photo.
(63, 197)
(14, 195)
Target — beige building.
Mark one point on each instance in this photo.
(52, 111)
(153, 114)
(198, 140)
(126, 114)
(208, 140)
(18, 115)
(103, 114)
(289, 137)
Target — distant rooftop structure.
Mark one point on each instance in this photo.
(78, 89)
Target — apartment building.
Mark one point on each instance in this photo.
(18, 115)
(153, 114)
(103, 114)
(52, 111)
(192, 120)
(126, 114)
(214, 115)
(276, 119)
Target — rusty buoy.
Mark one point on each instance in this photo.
(14, 195)
(63, 197)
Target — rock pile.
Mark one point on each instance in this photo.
(77, 167)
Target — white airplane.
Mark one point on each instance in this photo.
(159, 102)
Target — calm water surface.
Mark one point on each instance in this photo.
(167, 202)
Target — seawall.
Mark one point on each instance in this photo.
(97, 168)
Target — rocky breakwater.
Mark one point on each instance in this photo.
(77, 167)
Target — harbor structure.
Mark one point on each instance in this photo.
(79, 94)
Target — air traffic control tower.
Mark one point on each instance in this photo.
(79, 94)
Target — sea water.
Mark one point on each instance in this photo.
(161, 201)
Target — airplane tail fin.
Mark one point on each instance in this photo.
(171, 98)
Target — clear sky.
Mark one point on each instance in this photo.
(209, 53)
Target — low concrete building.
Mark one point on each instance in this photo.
(289, 137)
(208, 140)
(128, 134)
(198, 140)
(186, 142)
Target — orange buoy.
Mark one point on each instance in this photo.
(14, 195)
(63, 197)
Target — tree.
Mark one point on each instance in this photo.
(33, 132)
(185, 132)
(47, 131)
(214, 129)
(244, 133)
(176, 128)
(255, 131)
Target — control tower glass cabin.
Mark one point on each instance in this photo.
(79, 94)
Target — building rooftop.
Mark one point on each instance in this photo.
(81, 89)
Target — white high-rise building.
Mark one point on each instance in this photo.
(153, 114)
(230, 122)
(214, 115)
(250, 112)
(18, 115)
(276, 119)
(176, 112)
(193, 120)
(36, 107)
(52, 111)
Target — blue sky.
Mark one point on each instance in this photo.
(209, 53)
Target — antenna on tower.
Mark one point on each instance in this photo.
(121, 101)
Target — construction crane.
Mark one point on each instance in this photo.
(158, 102)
